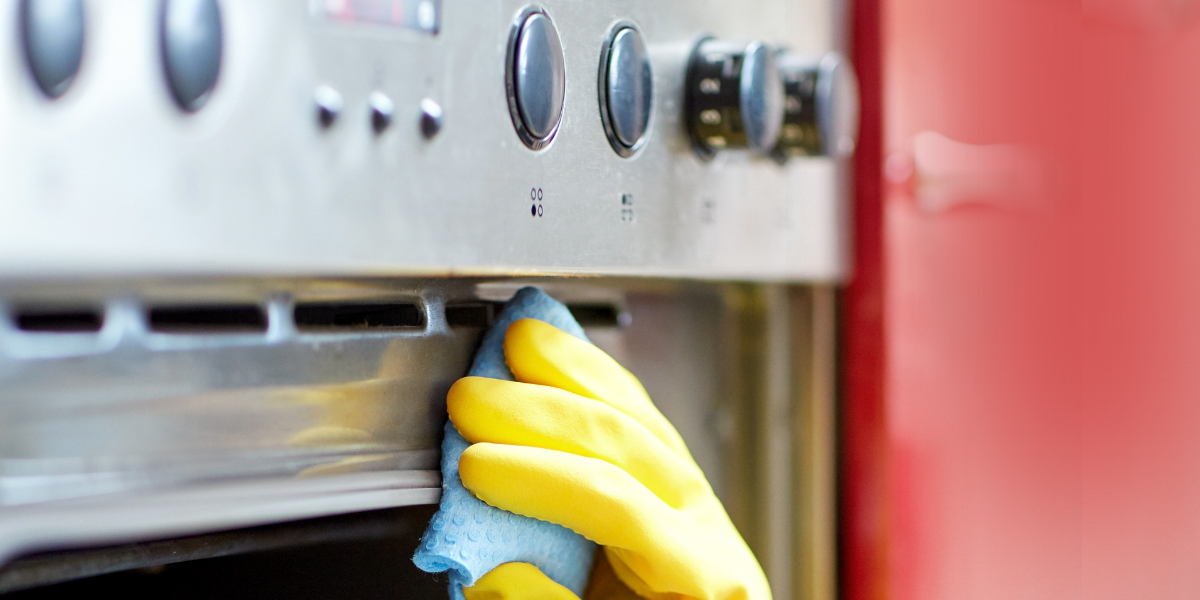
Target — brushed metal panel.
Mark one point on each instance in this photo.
(113, 178)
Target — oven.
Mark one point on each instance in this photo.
(246, 247)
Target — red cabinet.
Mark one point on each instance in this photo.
(1021, 341)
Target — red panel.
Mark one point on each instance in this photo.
(962, 408)
(1141, 351)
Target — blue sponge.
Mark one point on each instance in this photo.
(467, 537)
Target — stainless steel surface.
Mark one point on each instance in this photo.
(192, 40)
(113, 179)
(364, 556)
(119, 518)
(626, 88)
(130, 432)
(537, 78)
(128, 408)
(56, 567)
(52, 34)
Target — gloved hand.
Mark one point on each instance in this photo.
(576, 441)
(511, 581)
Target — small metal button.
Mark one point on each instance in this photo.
(537, 79)
(431, 118)
(382, 109)
(52, 35)
(329, 105)
(191, 49)
(626, 89)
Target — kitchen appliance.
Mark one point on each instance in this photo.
(247, 246)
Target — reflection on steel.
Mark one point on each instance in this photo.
(127, 409)
(422, 15)
(55, 567)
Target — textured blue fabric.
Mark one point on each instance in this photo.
(467, 537)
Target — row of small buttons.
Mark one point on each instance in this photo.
(382, 109)
(53, 35)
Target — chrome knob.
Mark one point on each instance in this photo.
(626, 87)
(821, 106)
(734, 97)
(191, 39)
(52, 32)
(536, 77)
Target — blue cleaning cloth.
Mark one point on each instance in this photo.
(467, 537)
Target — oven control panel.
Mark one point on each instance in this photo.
(398, 137)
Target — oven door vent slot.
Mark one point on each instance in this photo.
(44, 320)
(208, 319)
(597, 314)
(475, 314)
(325, 316)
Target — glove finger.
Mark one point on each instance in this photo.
(540, 353)
(522, 414)
(604, 584)
(517, 581)
(586, 495)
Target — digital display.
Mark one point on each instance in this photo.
(421, 15)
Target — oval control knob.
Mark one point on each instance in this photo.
(191, 49)
(535, 78)
(734, 96)
(626, 88)
(820, 106)
(52, 35)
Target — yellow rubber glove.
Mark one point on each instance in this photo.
(521, 581)
(579, 443)
(512, 581)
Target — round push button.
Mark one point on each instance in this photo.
(52, 34)
(537, 80)
(191, 49)
(626, 86)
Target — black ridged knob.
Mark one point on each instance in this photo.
(821, 106)
(734, 97)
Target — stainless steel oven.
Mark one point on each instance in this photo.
(245, 248)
